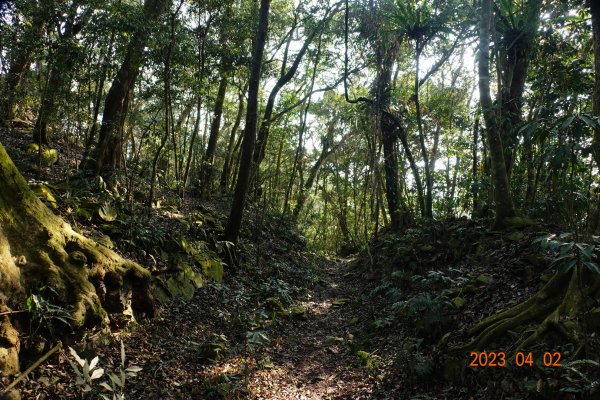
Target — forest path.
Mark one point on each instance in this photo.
(304, 358)
(311, 358)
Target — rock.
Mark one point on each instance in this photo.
(519, 222)
(333, 340)
(299, 312)
(12, 395)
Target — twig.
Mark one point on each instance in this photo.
(12, 312)
(31, 368)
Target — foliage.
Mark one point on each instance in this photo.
(411, 360)
(45, 314)
(570, 254)
(91, 372)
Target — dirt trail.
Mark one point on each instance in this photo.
(304, 359)
(312, 358)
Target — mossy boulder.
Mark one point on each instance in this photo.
(47, 156)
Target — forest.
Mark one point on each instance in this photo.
(299, 199)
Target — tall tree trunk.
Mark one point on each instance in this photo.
(505, 207)
(234, 222)
(168, 125)
(387, 53)
(424, 152)
(263, 133)
(594, 7)
(475, 167)
(91, 136)
(200, 71)
(513, 63)
(108, 156)
(208, 161)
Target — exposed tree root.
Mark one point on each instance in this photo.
(38, 249)
(557, 306)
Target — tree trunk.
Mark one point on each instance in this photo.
(594, 7)
(475, 167)
(312, 176)
(595, 13)
(424, 152)
(207, 169)
(504, 203)
(224, 181)
(91, 137)
(234, 222)
(39, 249)
(389, 132)
(108, 156)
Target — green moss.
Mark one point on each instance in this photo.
(33, 148)
(519, 222)
(515, 236)
(213, 269)
(78, 258)
(299, 312)
(180, 288)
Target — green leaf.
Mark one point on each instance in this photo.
(588, 121)
(257, 337)
(585, 250)
(134, 369)
(567, 267)
(79, 360)
(567, 122)
(107, 213)
(97, 374)
(592, 266)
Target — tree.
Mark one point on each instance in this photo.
(207, 168)
(38, 248)
(505, 207)
(234, 222)
(61, 64)
(564, 298)
(109, 149)
(21, 56)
